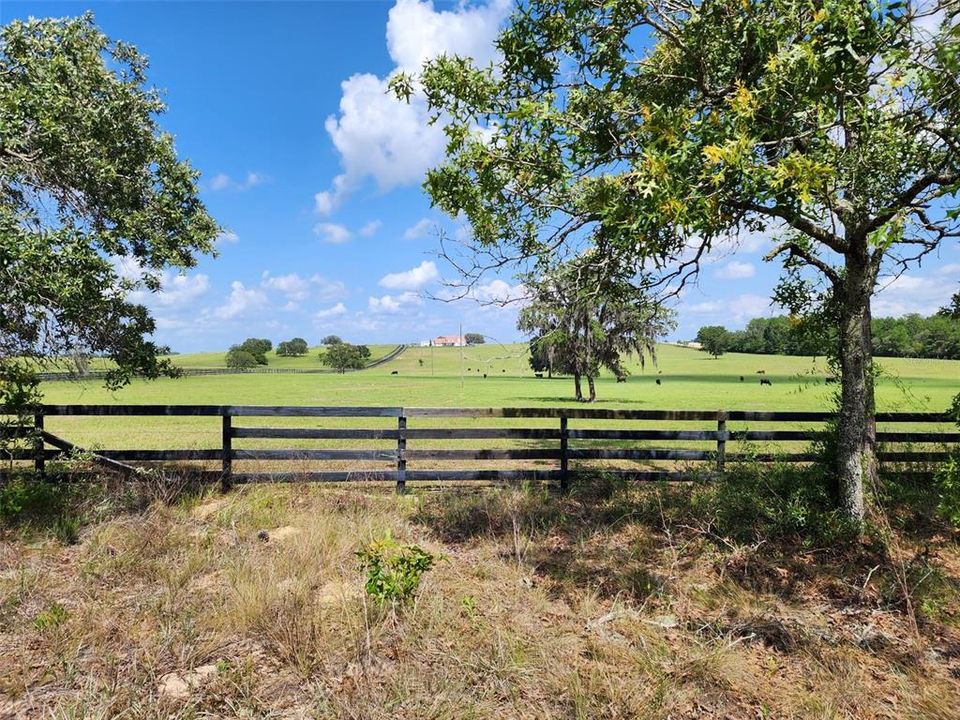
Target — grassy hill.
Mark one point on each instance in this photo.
(432, 376)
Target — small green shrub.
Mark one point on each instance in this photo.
(776, 502)
(393, 570)
(23, 496)
(947, 477)
(51, 618)
(947, 481)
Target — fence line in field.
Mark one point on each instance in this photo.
(401, 436)
(200, 372)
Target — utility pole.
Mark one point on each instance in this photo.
(460, 341)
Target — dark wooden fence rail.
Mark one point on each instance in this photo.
(559, 455)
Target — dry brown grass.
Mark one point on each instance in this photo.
(542, 607)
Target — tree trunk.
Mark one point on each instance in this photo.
(593, 389)
(856, 461)
(576, 385)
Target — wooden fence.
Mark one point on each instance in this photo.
(568, 449)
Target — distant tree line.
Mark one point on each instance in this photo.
(936, 336)
(338, 354)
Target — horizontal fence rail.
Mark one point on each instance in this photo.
(563, 452)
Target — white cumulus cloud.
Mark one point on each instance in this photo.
(332, 233)
(241, 301)
(735, 270)
(178, 290)
(291, 285)
(330, 312)
(370, 228)
(391, 304)
(328, 289)
(738, 309)
(388, 140)
(418, 229)
(911, 293)
(413, 279)
(222, 181)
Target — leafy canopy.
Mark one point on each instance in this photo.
(662, 126)
(588, 313)
(714, 339)
(257, 348)
(343, 356)
(94, 201)
(240, 359)
(292, 348)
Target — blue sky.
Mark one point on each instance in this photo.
(315, 172)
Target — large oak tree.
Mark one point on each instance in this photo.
(89, 184)
(662, 126)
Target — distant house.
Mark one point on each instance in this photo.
(449, 341)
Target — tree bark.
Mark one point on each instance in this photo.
(576, 385)
(593, 389)
(856, 461)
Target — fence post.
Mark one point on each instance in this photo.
(401, 455)
(721, 440)
(226, 471)
(564, 459)
(39, 463)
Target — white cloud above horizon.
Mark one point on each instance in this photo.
(735, 270)
(387, 140)
(332, 233)
(738, 309)
(419, 229)
(241, 301)
(412, 279)
(391, 304)
(330, 312)
(223, 181)
(370, 228)
(912, 293)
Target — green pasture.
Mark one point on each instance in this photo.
(431, 377)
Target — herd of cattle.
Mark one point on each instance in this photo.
(829, 380)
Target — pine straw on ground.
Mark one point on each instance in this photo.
(540, 607)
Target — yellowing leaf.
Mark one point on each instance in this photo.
(713, 154)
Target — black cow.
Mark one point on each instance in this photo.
(394, 373)
(741, 378)
(761, 372)
(764, 381)
(621, 379)
(484, 375)
(539, 375)
(658, 381)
